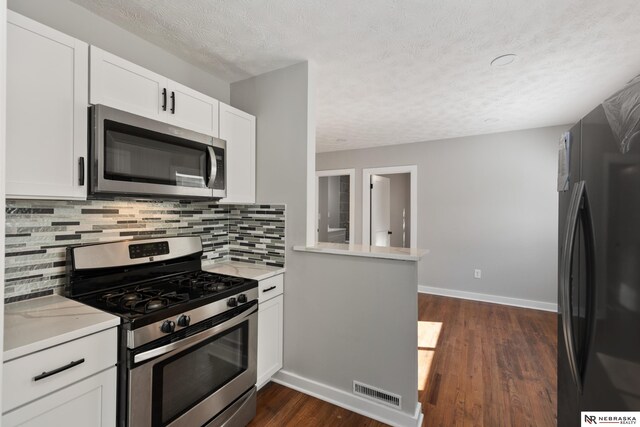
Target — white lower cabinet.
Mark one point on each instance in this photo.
(70, 384)
(270, 328)
(90, 402)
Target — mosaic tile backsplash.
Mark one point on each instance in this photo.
(39, 231)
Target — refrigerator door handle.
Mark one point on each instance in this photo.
(565, 279)
(590, 260)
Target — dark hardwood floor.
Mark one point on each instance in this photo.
(481, 364)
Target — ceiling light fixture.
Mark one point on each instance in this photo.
(503, 60)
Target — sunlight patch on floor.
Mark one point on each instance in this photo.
(425, 357)
(428, 334)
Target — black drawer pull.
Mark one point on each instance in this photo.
(58, 370)
(81, 171)
(269, 289)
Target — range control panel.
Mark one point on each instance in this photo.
(146, 250)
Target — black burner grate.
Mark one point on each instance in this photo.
(207, 282)
(142, 300)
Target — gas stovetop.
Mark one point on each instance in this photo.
(142, 303)
(156, 286)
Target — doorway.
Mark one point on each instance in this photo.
(389, 206)
(335, 193)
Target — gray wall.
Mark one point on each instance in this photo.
(84, 25)
(400, 205)
(352, 318)
(485, 202)
(346, 318)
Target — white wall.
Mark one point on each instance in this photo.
(486, 202)
(78, 22)
(346, 318)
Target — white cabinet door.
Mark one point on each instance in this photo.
(126, 86)
(239, 130)
(47, 99)
(87, 403)
(193, 110)
(270, 324)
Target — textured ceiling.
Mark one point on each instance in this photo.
(399, 71)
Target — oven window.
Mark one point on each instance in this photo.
(183, 381)
(138, 155)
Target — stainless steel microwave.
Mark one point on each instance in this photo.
(135, 156)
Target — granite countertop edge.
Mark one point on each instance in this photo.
(64, 329)
(245, 270)
(398, 254)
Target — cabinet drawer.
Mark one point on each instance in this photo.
(19, 386)
(88, 403)
(271, 287)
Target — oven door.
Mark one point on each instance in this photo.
(139, 156)
(189, 381)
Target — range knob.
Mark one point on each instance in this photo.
(232, 302)
(168, 326)
(242, 298)
(184, 320)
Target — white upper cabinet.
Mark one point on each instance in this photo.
(193, 110)
(239, 130)
(126, 86)
(47, 99)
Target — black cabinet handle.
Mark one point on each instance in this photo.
(173, 102)
(81, 174)
(164, 99)
(58, 370)
(269, 289)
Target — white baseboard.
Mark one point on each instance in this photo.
(349, 401)
(525, 303)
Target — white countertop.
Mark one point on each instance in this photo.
(245, 270)
(40, 323)
(402, 254)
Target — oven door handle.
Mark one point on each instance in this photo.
(194, 339)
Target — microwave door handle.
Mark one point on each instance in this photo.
(194, 339)
(213, 171)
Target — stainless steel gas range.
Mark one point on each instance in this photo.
(188, 337)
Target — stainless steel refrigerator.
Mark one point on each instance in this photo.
(599, 260)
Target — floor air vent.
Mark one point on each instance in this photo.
(376, 394)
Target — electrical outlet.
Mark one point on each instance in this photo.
(477, 273)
